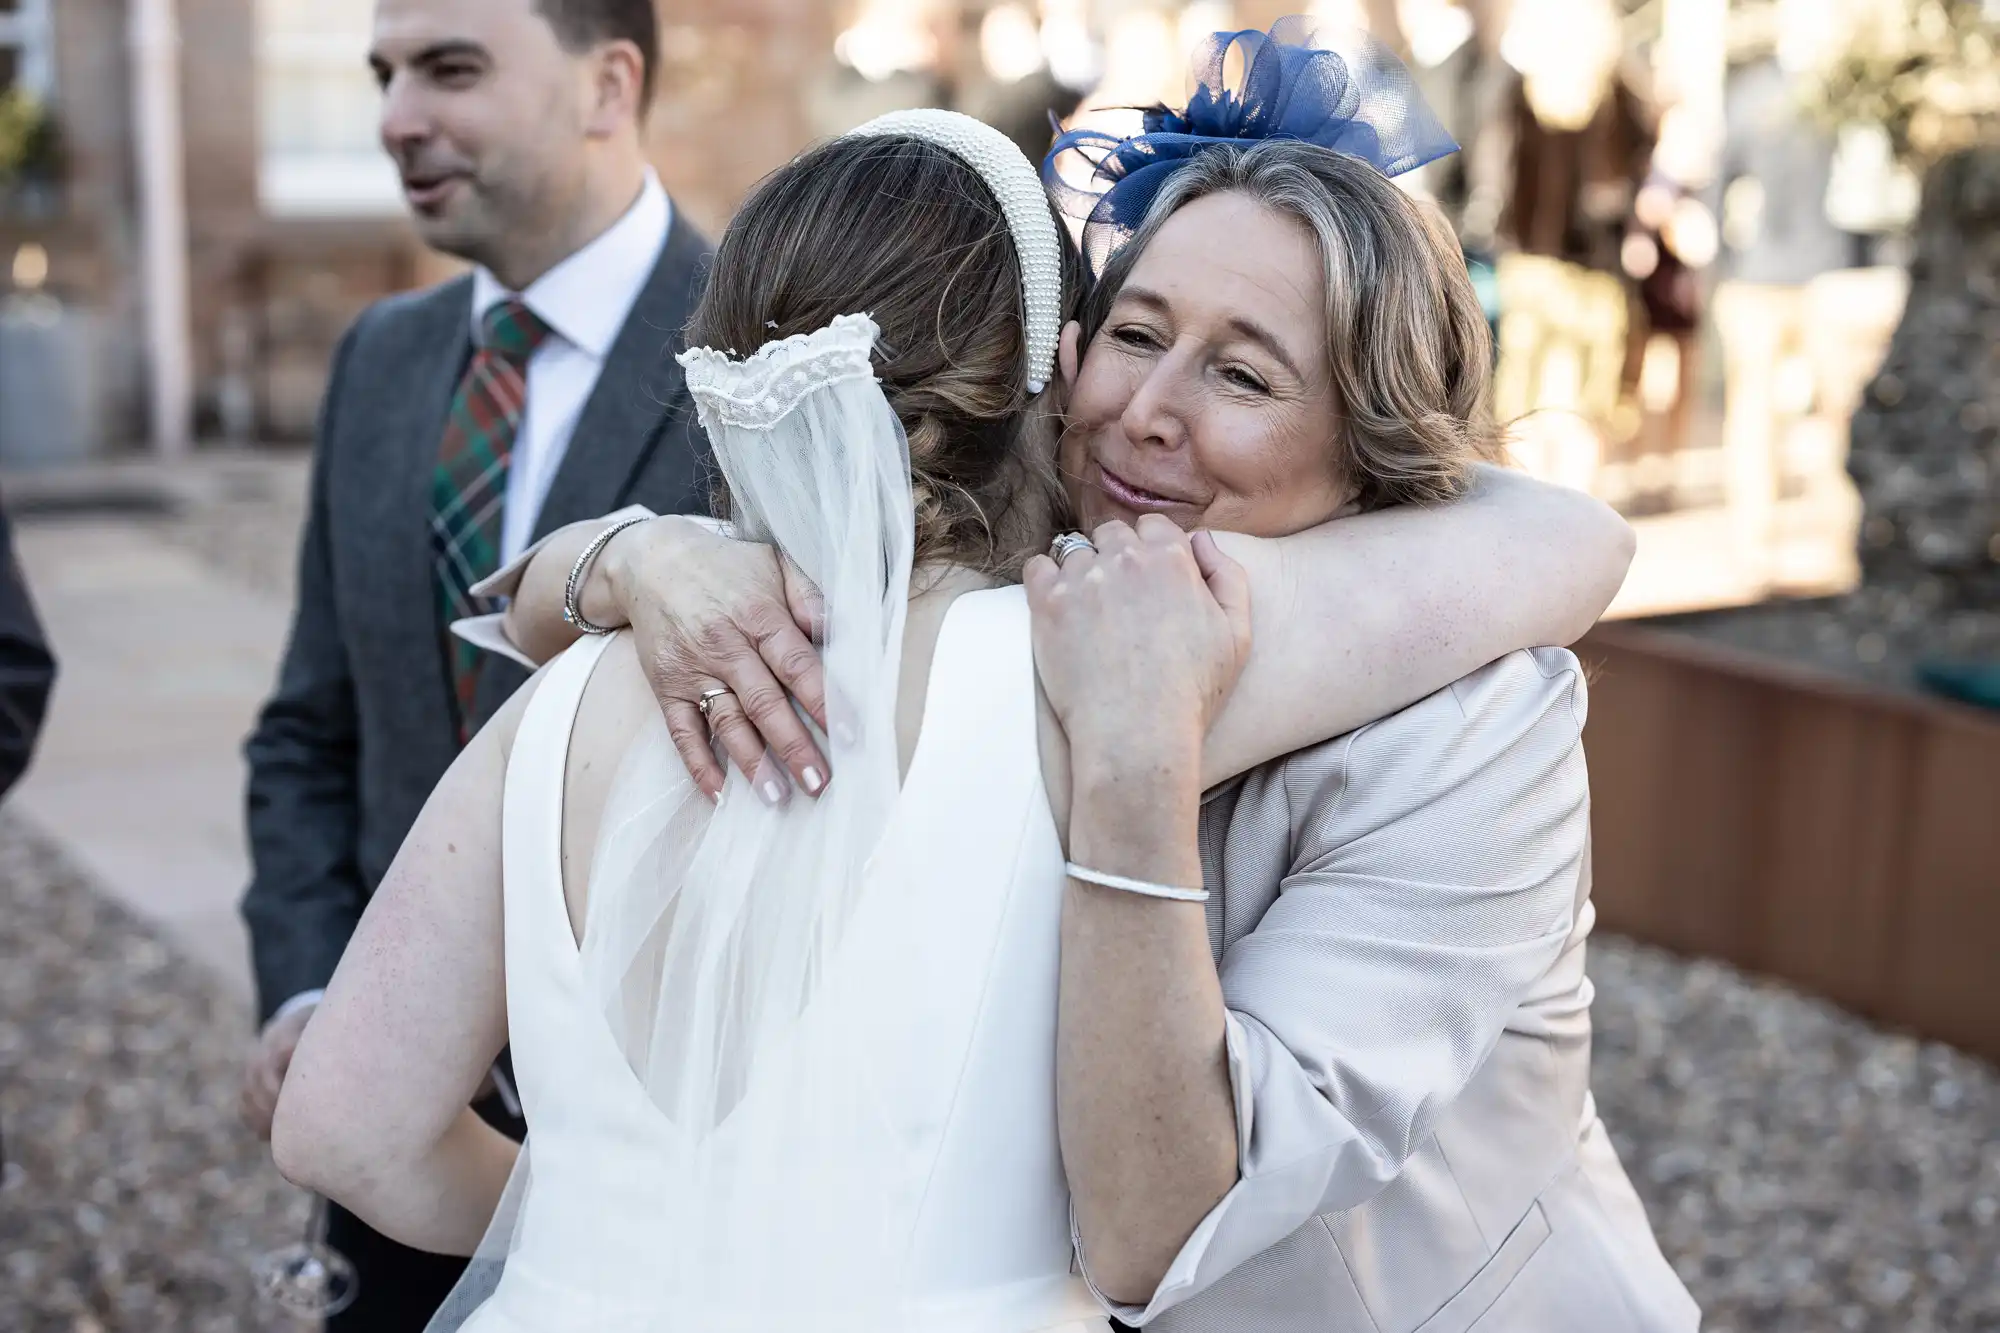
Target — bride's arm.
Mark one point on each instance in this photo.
(374, 1112)
(1355, 619)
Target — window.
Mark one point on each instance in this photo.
(27, 48)
(318, 108)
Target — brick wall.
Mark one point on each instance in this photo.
(93, 243)
(219, 122)
(744, 85)
(736, 94)
(270, 296)
(91, 239)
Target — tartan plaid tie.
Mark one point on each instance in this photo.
(469, 488)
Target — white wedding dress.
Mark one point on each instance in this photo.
(875, 1150)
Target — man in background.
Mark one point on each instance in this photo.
(459, 424)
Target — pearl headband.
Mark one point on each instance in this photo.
(1016, 184)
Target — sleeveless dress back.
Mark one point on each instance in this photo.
(937, 1009)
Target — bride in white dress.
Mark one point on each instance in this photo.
(781, 1068)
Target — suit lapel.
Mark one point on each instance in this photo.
(410, 416)
(639, 391)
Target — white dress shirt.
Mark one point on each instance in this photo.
(585, 301)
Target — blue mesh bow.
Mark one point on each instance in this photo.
(1360, 101)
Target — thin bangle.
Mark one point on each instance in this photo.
(572, 613)
(1144, 888)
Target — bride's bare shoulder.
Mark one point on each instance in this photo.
(616, 705)
(617, 692)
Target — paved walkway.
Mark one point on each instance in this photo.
(165, 657)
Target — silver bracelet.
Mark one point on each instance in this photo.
(572, 614)
(1144, 888)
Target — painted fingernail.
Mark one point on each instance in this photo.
(774, 788)
(812, 780)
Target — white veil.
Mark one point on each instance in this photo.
(701, 980)
(709, 929)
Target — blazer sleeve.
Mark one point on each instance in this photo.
(27, 668)
(306, 894)
(1435, 862)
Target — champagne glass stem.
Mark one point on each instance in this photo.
(316, 1220)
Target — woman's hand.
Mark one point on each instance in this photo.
(1139, 642)
(711, 613)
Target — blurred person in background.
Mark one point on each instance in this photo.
(1775, 171)
(27, 669)
(1583, 137)
(27, 674)
(459, 422)
(1668, 239)
(993, 64)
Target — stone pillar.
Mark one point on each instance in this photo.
(155, 42)
(93, 242)
(219, 61)
(1926, 440)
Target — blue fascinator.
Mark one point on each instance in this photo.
(1358, 99)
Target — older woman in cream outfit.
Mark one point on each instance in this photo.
(1366, 1057)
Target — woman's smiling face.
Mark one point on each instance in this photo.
(1207, 396)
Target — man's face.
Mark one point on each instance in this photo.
(484, 114)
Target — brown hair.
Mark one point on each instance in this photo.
(906, 232)
(1407, 342)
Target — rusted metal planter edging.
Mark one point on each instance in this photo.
(1841, 838)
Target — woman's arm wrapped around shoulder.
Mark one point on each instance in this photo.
(707, 611)
(1362, 616)
(1354, 619)
(1435, 862)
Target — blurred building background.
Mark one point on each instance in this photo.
(293, 219)
(1743, 261)
(1692, 218)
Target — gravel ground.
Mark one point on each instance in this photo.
(131, 1199)
(244, 516)
(1805, 1172)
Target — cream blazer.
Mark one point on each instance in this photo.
(1399, 919)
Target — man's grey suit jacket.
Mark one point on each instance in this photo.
(360, 727)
